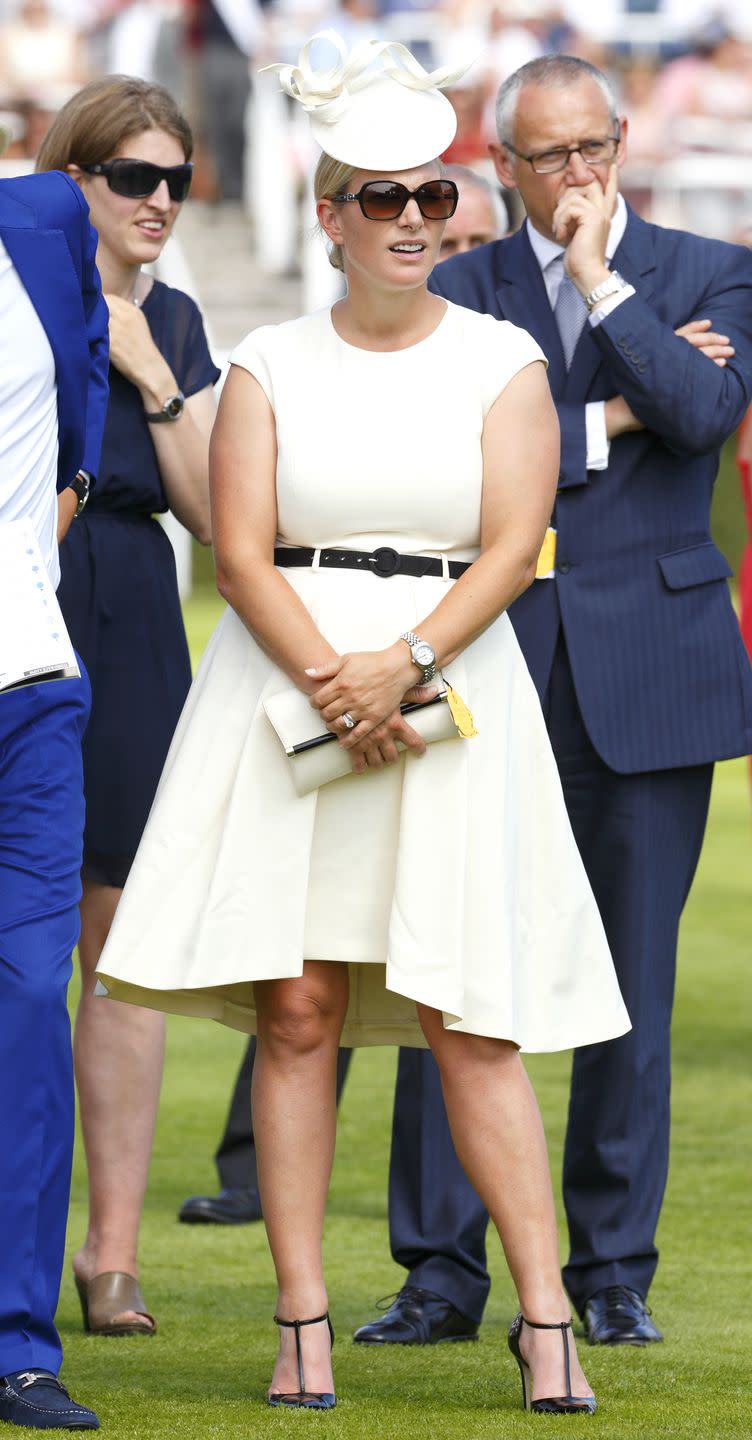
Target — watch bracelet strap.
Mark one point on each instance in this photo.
(612, 286)
(413, 639)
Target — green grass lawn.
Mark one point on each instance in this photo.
(212, 1289)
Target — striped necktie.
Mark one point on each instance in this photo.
(570, 313)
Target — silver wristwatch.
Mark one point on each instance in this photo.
(171, 410)
(608, 287)
(424, 655)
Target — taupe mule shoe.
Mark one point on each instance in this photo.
(111, 1294)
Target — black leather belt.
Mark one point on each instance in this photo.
(383, 562)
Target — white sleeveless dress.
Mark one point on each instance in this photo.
(451, 879)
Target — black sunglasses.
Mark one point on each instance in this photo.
(138, 178)
(386, 199)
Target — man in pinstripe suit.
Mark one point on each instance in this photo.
(631, 640)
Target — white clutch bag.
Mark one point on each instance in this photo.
(314, 754)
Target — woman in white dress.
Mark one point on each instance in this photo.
(382, 477)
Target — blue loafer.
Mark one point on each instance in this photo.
(39, 1401)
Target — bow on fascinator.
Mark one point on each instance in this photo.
(326, 93)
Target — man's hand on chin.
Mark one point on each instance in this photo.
(582, 221)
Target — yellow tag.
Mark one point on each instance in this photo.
(547, 557)
(460, 713)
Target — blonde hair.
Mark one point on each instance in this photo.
(331, 177)
(97, 120)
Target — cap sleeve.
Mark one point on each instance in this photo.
(506, 351)
(185, 337)
(253, 355)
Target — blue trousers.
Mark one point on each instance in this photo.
(41, 828)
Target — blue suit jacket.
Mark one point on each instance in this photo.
(658, 662)
(45, 229)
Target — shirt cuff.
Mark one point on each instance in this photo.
(596, 440)
(606, 306)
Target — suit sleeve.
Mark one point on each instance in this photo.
(97, 323)
(692, 404)
(96, 318)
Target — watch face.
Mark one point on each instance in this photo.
(174, 407)
(423, 654)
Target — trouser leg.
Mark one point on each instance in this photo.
(640, 838)
(41, 826)
(437, 1223)
(226, 84)
(236, 1155)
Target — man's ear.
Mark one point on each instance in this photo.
(621, 153)
(329, 220)
(503, 162)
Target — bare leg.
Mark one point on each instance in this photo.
(294, 1124)
(498, 1135)
(118, 1052)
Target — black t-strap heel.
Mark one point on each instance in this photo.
(553, 1405)
(303, 1399)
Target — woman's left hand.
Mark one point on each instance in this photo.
(367, 685)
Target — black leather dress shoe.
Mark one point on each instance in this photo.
(619, 1316)
(417, 1317)
(229, 1207)
(37, 1400)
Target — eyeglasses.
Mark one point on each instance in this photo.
(549, 162)
(138, 178)
(386, 199)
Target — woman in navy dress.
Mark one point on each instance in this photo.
(120, 599)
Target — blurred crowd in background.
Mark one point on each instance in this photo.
(682, 69)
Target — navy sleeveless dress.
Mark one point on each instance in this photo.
(119, 596)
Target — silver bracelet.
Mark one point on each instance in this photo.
(608, 287)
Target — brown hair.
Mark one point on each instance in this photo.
(96, 121)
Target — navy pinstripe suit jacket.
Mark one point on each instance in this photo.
(660, 670)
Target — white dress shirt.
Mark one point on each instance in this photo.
(550, 257)
(28, 417)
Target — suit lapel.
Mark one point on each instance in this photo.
(635, 255)
(523, 300)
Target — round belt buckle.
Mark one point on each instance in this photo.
(385, 562)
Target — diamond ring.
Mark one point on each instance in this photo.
(348, 721)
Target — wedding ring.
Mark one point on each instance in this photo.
(347, 720)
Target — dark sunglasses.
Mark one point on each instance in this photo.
(138, 178)
(386, 199)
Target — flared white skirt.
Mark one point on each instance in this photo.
(452, 879)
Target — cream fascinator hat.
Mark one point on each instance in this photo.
(376, 108)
